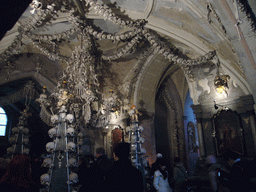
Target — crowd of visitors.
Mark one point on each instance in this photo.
(99, 173)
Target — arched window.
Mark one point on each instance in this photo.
(3, 122)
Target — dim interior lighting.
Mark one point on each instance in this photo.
(221, 81)
(216, 106)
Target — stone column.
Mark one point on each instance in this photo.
(198, 112)
(253, 126)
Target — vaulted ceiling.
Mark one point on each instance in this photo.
(188, 29)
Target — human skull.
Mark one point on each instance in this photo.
(15, 130)
(45, 179)
(50, 147)
(80, 135)
(47, 162)
(73, 178)
(52, 132)
(12, 140)
(133, 147)
(54, 119)
(133, 159)
(10, 150)
(70, 131)
(70, 118)
(25, 131)
(71, 146)
(72, 162)
(133, 137)
(26, 151)
(26, 140)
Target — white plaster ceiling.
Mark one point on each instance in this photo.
(184, 23)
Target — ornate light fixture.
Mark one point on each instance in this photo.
(221, 81)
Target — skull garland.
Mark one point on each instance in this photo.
(50, 147)
(45, 179)
(73, 178)
(47, 162)
(71, 147)
(52, 132)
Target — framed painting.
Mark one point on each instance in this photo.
(228, 132)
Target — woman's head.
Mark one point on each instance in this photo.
(161, 164)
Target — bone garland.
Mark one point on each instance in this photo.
(244, 7)
(169, 104)
(14, 48)
(39, 16)
(211, 9)
(138, 71)
(168, 54)
(109, 15)
(124, 51)
(48, 37)
(104, 35)
(45, 116)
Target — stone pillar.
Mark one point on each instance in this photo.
(253, 126)
(198, 112)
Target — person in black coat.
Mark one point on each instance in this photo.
(237, 180)
(96, 176)
(123, 175)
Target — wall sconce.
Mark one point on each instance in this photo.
(221, 81)
(216, 106)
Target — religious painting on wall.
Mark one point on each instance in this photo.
(228, 132)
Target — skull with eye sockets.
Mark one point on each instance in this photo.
(45, 179)
(71, 146)
(73, 178)
(70, 118)
(47, 162)
(72, 162)
(50, 147)
(52, 132)
(54, 119)
(70, 132)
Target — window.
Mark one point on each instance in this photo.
(3, 122)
